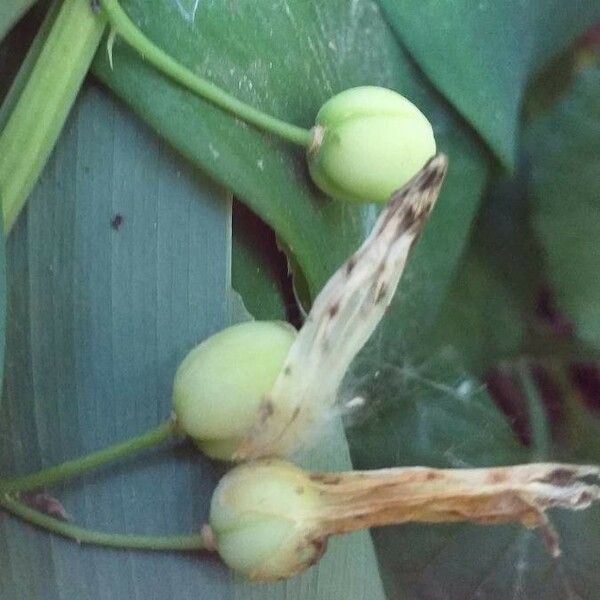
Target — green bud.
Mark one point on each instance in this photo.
(368, 142)
(220, 385)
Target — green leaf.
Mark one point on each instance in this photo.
(47, 84)
(499, 308)
(101, 311)
(308, 52)
(482, 54)
(490, 310)
(481, 315)
(433, 413)
(10, 12)
(564, 151)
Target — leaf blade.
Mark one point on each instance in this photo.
(563, 149)
(482, 54)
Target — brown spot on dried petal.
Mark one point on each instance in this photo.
(381, 293)
(266, 410)
(560, 477)
(319, 546)
(497, 476)
(431, 179)
(350, 265)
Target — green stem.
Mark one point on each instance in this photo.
(99, 538)
(538, 419)
(45, 100)
(126, 29)
(28, 63)
(78, 466)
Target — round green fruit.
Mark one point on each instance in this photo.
(368, 142)
(264, 516)
(219, 386)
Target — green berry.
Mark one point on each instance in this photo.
(219, 386)
(263, 515)
(369, 141)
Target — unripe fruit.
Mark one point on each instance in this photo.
(368, 142)
(262, 515)
(220, 385)
(271, 520)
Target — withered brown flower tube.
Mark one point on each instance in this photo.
(271, 520)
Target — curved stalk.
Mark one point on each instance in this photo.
(82, 535)
(83, 464)
(122, 25)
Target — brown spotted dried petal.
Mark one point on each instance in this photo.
(342, 319)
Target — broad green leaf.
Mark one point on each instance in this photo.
(10, 12)
(481, 315)
(564, 151)
(101, 311)
(306, 52)
(490, 311)
(434, 413)
(482, 54)
(499, 308)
